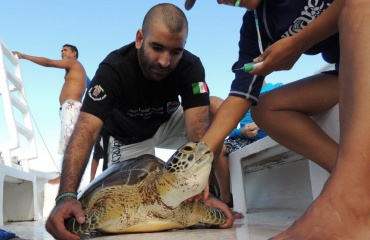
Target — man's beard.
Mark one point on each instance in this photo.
(148, 68)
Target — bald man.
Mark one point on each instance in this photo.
(135, 95)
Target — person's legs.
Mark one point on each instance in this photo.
(284, 114)
(97, 155)
(68, 112)
(342, 209)
(222, 173)
(94, 167)
(117, 151)
(223, 177)
(215, 103)
(220, 168)
(172, 134)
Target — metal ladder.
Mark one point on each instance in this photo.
(14, 99)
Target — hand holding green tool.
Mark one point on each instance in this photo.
(248, 67)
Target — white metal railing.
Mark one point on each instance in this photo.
(13, 97)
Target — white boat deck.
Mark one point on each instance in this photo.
(256, 225)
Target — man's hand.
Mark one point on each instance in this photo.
(282, 55)
(199, 196)
(18, 54)
(66, 208)
(212, 201)
(250, 130)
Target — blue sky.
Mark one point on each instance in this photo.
(96, 27)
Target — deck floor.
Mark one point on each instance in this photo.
(256, 225)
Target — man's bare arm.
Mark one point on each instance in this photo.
(78, 151)
(196, 122)
(75, 160)
(46, 62)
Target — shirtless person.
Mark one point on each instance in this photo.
(72, 91)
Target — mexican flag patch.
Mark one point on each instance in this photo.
(199, 87)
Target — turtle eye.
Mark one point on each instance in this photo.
(188, 148)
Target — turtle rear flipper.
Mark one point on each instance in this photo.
(213, 216)
(198, 212)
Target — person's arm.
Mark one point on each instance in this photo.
(76, 157)
(283, 54)
(196, 122)
(249, 130)
(228, 116)
(46, 62)
(78, 151)
(321, 28)
(237, 132)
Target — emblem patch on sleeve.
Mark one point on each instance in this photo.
(96, 93)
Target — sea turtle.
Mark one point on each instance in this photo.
(145, 194)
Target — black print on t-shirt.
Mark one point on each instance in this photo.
(145, 113)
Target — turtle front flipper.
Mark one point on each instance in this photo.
(191, 213)
(85, 230)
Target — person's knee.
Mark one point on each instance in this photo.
(257, 113)
(215, 103)
(267, 103)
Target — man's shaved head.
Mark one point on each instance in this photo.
(172, 17)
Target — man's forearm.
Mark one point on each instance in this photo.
(77, 156)
(38, 60)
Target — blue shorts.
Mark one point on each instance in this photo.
(233, 144)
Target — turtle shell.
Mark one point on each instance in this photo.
(128, 172)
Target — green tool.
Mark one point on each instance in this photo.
(248, 67)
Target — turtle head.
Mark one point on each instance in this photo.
(188, 170)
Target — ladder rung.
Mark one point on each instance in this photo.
(14, 79)
(19, 104)
(24, 130)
